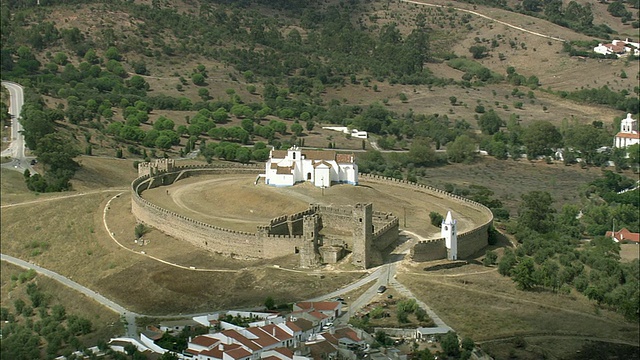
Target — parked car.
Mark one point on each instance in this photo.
(382, 289)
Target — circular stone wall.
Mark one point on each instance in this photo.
(227, 203)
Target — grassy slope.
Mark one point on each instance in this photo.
(105, 323)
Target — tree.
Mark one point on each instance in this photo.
(535, 211)
(296, 128)
(421, 152)
(436, 219)
(198, 79)
(112, 53)
(269, 303)
(478, 51)
(490, 258)
(450, 344)
(140, 230)
(523, 274)
(507, 262)
(463, 149)
(468, 344)
(490, 122)
(453, 100)
(540, 137)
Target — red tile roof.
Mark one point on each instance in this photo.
(283, 170)
(319, 154)
(242, 340)
(628, 136)
(345, 158)
(284, 351)
(319, 305)
(205, 341)
(238, 353)
(293, 326)
(624, 235)
(318, 315)
(279, 154)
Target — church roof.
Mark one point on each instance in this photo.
(283, 170)
(345, 158)
(319, 154)
(633, 135)
(449, 218)
(279, 154)
(315, 165)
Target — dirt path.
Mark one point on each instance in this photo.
(488, 18)
(60, 197)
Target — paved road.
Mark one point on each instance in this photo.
(129, 316)
(16, 150)
(384, 275)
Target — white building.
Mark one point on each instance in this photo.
(618, 47)
(628, 134)
(353, 132)
(322, 168)
(449, 232)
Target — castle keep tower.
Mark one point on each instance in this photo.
(362, 234)
(309, 256)
(449, 232)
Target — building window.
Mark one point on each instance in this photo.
(308, 176)
(294, 156)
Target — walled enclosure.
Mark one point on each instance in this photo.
(296, 233)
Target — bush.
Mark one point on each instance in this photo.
(436, 218)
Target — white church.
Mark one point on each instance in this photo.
(628, 134)
(320, 167)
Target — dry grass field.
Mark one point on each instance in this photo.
(509, 179)
(484, 305)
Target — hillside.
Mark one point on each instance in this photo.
(113, 83)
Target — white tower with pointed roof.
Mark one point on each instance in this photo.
(449, 231)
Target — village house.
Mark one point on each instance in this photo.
(619, 48)
(321, 168)
(623, 235)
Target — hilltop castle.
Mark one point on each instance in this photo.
(320, 167)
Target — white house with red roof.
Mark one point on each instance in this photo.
(320, 313)
(628, 134)
(243, 343)
(623, 235)
(619, 48)
(320, 167)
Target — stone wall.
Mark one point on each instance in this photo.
(386, 235)
(429, 250)
(469, 242)
(200, 234)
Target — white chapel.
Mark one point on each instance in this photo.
(320, 167)
(628, 134)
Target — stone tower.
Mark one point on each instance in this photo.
(362, 235)
(309, 255)
(449, 231)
